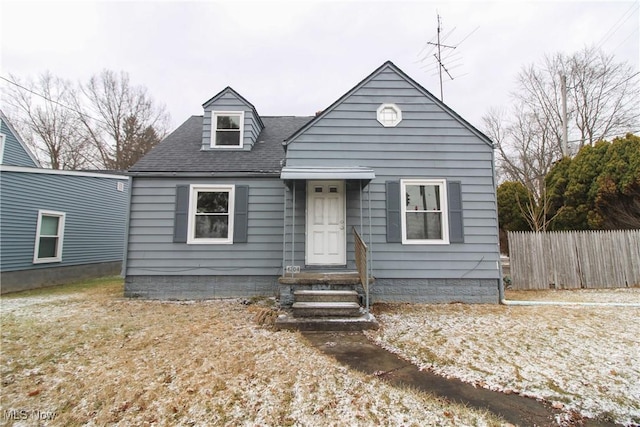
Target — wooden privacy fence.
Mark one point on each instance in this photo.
(574, 259)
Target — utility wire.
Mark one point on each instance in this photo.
(51, 100)
(626, 38)
(615, 27)
(92, 162)
(611, 135)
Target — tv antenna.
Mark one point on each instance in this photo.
(437, 48)
(438, 57)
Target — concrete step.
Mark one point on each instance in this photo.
(325, 296)
(326, 309)
(321, 278)
(360, 323)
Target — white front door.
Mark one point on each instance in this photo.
(326, 234)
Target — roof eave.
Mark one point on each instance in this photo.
(205, 174)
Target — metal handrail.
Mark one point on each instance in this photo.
(362, 259)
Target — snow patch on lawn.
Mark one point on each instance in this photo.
(103, 360)
(585, 358)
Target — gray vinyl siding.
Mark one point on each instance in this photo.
(14, 153)
(94, 225)
(295, 232)
(429, 143)
(152, 252)
(228, 102)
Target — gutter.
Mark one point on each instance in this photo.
(24, 169)
(568, 303)
(160, 174)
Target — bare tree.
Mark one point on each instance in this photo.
(50, 128)
(602, 102)
(121, 119)
(525, 153)
(604, 96)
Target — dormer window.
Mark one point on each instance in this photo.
(227, 129)
(389, 115)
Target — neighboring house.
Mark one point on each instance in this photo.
(56, 226)
(231, 200)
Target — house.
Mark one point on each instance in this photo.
(56, 226)
(234, 204)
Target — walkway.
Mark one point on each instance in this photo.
(353, 349)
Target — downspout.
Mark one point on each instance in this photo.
(293, 226)
(370, 257)
(501, 297)
(360, 188)
(125, 254)
(284, 232)
(366, 268)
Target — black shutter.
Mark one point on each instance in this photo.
(181, 214)
(241, 214)
(394, 224)
(456, 225)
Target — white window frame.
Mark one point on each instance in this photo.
(381, 118)
(2, 139)
(193, 200)
(61, 220)
(444, 208)
(214, 128)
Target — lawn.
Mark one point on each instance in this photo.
(92, 357)
(580, 358)
(86, 356)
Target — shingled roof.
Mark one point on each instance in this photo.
(181, 151)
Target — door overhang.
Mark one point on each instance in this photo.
(360, 173)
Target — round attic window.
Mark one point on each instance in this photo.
(389, 115)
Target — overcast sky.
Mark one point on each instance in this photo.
(295, 58)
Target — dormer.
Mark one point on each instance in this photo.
(230, 122)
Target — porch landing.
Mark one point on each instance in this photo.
(310, 278)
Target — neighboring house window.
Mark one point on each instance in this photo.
(389, 115)
(49, 236)
(1, 148)
(211, 210)
(424, 212)
(227, 128)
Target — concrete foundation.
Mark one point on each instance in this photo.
(199, 287)
(430, 291)
(433, 291)
(23, 280)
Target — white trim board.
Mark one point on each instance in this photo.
(22, 169)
